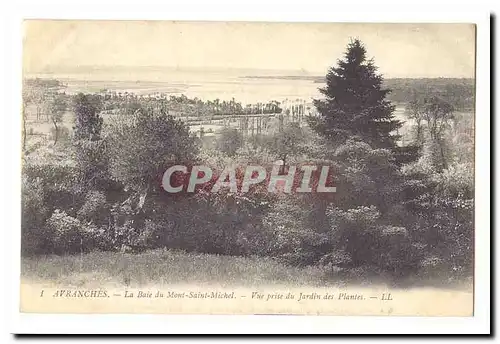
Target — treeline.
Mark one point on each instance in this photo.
(43, 83)
(182, 105)
(458, 92)
(388, 216)
(38, 91)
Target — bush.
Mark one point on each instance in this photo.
(292, 238)
(95, 208)
(63, 135)
(368, 176)
(92, 160)
(69, 235)
(456, 181)
(128, 238)
(364, 240)
(59, 182)
(34, 237)
(229, 141)
(45, 188)
(440, 212)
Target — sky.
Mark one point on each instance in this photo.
(399, 50)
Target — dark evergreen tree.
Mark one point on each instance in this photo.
(89, 147)
(355, 104)
(88, 122)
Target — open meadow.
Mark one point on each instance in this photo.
(162, 268)
(183, 281)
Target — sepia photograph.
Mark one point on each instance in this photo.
(230, 167)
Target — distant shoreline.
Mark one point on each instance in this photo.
(321, 79)
(287, 77)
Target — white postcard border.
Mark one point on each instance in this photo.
(422, 11)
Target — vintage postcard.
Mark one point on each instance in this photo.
(191, 167)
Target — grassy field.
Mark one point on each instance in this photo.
(166, 267)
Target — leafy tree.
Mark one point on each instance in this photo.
(143, 146)
(355, 103)
(287, 142)
(434, 115)
(55, 110)
(38, 91)
(229, 141)
(414, 112)
(438, 114)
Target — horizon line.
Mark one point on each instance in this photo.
(295, 72)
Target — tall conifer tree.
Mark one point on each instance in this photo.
(355, 104)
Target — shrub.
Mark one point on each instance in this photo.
(69, 235)
(229, 141)
(292, 238)
(441, 209)
(456, 181)
(34, 238)
(63, 135)
(366, 176)
(59, 183)
(127, 237)
(364, 240)
(92, 160)
(45, 188)
(95, 208)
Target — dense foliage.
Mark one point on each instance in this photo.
(354, 103)
(388, 216)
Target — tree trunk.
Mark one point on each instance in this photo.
(284, 164)
(56, 133)
(443, 158)
(419, 133)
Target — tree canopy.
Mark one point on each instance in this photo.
(355, 103)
